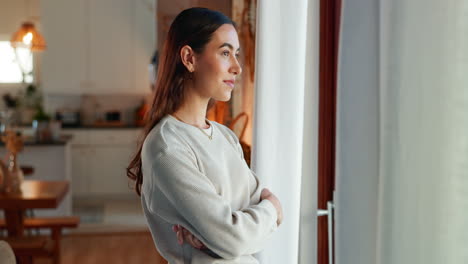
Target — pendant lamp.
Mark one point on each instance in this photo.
(28, 37)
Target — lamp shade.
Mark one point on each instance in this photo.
(27, 36)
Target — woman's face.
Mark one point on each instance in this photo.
(217, 67)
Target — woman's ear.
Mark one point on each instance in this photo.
(187, 55)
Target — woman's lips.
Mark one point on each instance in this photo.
(230, 83)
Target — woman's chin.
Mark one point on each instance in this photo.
(226, 97)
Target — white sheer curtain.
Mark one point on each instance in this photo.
(423, 132)
(402, 133)
(280, 124)
(357, 151)
(308, 220)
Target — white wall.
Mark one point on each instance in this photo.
(358, 134)
(14, 12)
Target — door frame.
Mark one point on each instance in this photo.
(330, 13)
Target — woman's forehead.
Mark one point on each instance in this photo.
(225, 35)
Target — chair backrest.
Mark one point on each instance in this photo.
(6, 253)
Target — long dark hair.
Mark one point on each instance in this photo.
(193, 27)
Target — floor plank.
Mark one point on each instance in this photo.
(115, 248)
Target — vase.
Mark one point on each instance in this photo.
(14, 176)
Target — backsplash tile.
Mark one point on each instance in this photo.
(93, 106)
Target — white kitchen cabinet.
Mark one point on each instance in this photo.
(108, 170)
(144, 42)
(63, 67)
(80, 163)
(99, 160)
(106, 48)
(110, 45)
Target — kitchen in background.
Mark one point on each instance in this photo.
(93, 72)
(86, 89)
(79, 97)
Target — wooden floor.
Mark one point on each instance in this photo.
(112, 248)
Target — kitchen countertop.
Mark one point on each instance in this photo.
(31, 142)
(103, 127)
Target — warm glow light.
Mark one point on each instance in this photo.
(27, 39)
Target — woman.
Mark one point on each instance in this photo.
(190, 171)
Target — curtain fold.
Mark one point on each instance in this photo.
(279, 116)
(402, 132)
(357, 135)
(308, 220)
(423, 132)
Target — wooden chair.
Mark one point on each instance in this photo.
(42, 246)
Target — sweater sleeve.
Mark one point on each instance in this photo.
(205, 213)
(255, 184)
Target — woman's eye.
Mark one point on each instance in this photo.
(237, 55)
(226, 53)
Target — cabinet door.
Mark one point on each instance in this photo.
(144, 43)
(110, 42)
(107, 169)
(63, 68)
(80, 172)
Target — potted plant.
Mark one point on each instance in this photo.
(41, 125)
(29, 101)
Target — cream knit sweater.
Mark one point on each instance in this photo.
(205, 186)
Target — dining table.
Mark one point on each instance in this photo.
(35, 194)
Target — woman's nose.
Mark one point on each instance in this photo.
(236, 68)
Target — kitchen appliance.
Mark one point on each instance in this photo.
(69, 118)
(113, 116)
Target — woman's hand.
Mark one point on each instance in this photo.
(266, 194)
(185, 235)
